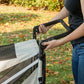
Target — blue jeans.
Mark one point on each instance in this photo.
(78, 63)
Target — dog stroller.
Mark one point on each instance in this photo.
(25, 62)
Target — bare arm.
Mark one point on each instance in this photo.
(79, 32)
(61, 15)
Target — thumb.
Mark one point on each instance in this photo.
(45, 43)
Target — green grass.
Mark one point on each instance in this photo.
(16, 25)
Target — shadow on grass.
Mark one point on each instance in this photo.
(16, 17)
(15, 36)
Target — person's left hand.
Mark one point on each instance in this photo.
(52, 44)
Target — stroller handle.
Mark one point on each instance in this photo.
(54, 38)
(36, 28)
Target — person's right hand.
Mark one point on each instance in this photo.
(43, 29)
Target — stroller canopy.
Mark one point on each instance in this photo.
(22, 64)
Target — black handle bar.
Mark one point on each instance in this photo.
(54, 38)
(36, 29)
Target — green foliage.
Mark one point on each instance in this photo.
(50, 4)
(45, 4)
(4, 1)
(16, 25)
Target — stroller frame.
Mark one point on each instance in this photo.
(42, 55)
(41, 78)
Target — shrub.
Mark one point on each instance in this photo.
(4, 1)
(46, 4)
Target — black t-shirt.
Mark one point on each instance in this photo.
(75, 16)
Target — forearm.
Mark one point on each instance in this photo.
(61, 15)
(79, 32)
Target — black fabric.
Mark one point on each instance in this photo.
(36, 28)
(7, 52)
(6, 74)
(75, 16)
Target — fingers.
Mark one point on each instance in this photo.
(42, 29)
(37, 33)
(48, 45)
(45, 43)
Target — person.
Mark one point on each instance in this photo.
(74, 9)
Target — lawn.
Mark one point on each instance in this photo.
(16, 25)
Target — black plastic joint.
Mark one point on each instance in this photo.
(40, 80)
(35, 29)
(42, 46)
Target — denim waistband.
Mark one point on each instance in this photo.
(80, 45)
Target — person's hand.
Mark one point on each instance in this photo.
(52, 44)
(43, 29)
